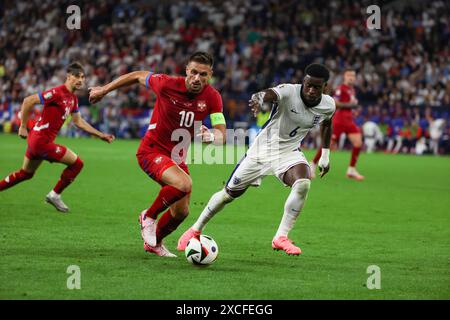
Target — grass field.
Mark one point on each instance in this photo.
(397, 219)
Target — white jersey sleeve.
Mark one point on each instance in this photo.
(284, 91)
(329, 113)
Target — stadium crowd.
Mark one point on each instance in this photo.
(403, 69)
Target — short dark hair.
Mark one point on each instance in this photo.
(318, 70)
(202, 57)
(75, 68)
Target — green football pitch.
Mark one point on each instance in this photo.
(398, 219)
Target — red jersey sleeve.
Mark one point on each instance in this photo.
(155, 81)
(342, 94)
(215, 101)
(47, 96)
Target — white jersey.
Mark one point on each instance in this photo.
(289, 123)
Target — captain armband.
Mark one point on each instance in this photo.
(217, 118)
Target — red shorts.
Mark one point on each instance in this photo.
(344, 127)
(154, 161)
(42, 150)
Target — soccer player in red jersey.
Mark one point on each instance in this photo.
(343, 123)
(179, 102)
(59, 103)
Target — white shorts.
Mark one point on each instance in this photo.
(249, 172)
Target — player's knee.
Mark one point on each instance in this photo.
(79, 164)
(181, 213)
(185, 185)
(229, 194)
(26, 175)
(357, 143)
(223, 196)
(301, 186)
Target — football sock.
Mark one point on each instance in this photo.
(14, 178)
(68, 176)
(167, 196)
(215, 204)
(166, 225)
(355, 154)
(293, 206)
(317, 156)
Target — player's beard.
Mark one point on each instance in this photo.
(196, 88)
(310, 103)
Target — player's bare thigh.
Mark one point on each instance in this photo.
(69, 158)
(176, 177)
(355, 139)
(31, 165)
(299, 171)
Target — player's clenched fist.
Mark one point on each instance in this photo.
(107, 137)
(96, 94)
(206, 134)
(256, 102)
(324, 162)
(23, 132)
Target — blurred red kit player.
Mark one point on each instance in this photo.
(59, 103)
(345, 99)
(180, 101)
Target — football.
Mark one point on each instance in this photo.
(201, 250)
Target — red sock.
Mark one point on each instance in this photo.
(355, 154)
(317, 156)
(166, 225)
(15, 178)
(166, 197)
(68, 175)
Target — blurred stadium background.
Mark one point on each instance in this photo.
(403, 70)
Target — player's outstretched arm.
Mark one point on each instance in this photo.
(324, 161)
(27, 105)
(83, 125)
(97, 93)
(353, 104)
(258, 99)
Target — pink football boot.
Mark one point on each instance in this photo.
(283, 243)
(184, 239)
(148, 229)
(159, 250)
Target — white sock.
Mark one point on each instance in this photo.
(293, 206)
(215, 204)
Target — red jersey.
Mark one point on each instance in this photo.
(176, 108)
(58, 103)
(344, 94)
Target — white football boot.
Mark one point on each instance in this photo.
(55, 200)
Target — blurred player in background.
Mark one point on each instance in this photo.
(276, 151)
(343, 123)
(59, 103)
(179, 102)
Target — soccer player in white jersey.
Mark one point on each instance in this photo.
(297, 108)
